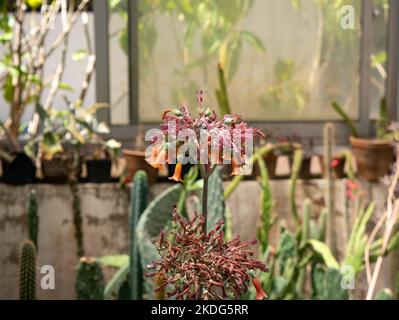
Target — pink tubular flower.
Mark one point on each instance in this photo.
(260, 294)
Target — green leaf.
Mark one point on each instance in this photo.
(345, 117)
(253, 40)
(324, 251)
(65, 86)
(79, 55)
(114, 261)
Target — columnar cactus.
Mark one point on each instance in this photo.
(89, 283)
(33, 219)
(27, 271)
(138, 204)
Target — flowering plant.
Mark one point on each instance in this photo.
(198, 264)
(201, 265)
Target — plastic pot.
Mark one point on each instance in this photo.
(99, 171)
(20, 171)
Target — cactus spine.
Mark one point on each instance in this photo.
(139, 193)
(328, 136)
(33, 219)
(27, 271)
(89, 283)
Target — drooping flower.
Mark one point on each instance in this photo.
(177, 173)
(335, 163)
(260, 294)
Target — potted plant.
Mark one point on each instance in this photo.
(135, 158)
(22, 77)
(373, 156)
(99, 163)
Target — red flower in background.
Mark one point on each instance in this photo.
(260, 294)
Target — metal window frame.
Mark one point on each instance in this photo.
(311, 129)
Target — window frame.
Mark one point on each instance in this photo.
(306, 129)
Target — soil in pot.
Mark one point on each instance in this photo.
(135, 160)
(21, 170)
(373, 157)
(99, 171)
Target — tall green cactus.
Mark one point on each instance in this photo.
(139, 195)
(296, 166)
(27, 271)
(216, 205)
(328, 137)
(326, 284)
(89, 283)
(33, 219)
(266, 208)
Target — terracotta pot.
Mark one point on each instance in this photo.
(373, 157)
(135, 160)
(338, 169)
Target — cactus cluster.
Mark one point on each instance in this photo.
(27, 271)
(33, 219)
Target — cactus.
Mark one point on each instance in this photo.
(33, 219)
(266, 208)
(89, 283)
(152, 221)
(296, 166)
(77, 218)
(27, 271)
(328, 141)
(138, 204)
(326, 284)
(345, 118)
(118, 283)
(216, 205)
(383, 120)
(221, 93)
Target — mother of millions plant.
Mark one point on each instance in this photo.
(195, 263)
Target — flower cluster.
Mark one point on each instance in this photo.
(204, 140)
(204, 266)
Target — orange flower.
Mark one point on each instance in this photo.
(157, 157)
(260, 294)
(177, 174)
(236, 168)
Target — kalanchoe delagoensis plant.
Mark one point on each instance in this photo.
(198, 263)
(203, 266)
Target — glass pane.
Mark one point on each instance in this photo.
(378, 58)
(283, 59)
(118, 62)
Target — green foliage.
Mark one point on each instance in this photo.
(345, 117)
(384, 294)
(27, 271)
(89, 283)
(383, 120)
(222, 94)
(117, 282)
(33, 218)
(216, 205)
(154, 219)
(139, 195)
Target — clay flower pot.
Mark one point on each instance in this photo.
(373, 157)
(135, 160)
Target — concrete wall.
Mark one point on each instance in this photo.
(105, 223)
